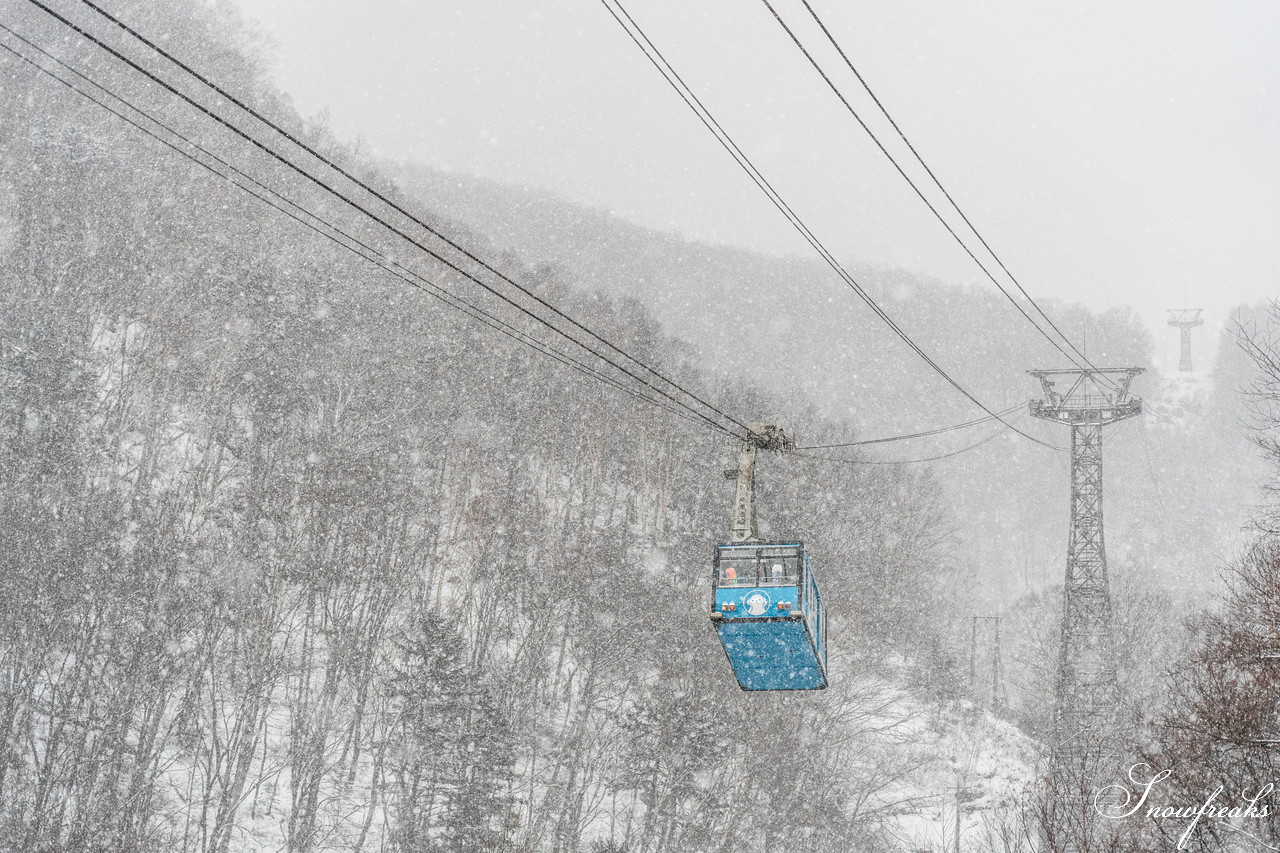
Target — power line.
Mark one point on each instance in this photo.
(354, 245)
(382, 221)
(835, 89)
(673, 78)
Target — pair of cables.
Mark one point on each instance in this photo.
(186, 147)
(673, 78)
(669, 393)
(1076, 356)
(1012, 414)
(689, 406)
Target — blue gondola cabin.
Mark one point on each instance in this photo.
(768, 615)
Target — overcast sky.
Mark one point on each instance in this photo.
(1112, 153)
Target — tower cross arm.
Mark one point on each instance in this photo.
(1185, 318)
(1096, 395)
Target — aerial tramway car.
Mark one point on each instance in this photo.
(766, 607)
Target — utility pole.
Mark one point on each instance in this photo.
(963, 794)
(996, 696)
(973, 656)
(999, 698)
(1185, 319)
(958, 826)
(1085, 705)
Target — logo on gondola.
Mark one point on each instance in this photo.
(757, 603)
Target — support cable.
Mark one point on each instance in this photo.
(655, 57)
(831, 38)
(390, 265)
(932, 209)
(382, 197)
(1005, 427)
(938, 431)
(381, 220)
(297, 212)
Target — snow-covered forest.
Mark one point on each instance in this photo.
(297, 557)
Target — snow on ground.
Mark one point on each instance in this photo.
(985, 763)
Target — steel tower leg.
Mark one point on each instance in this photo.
(1184, 363)
(1086, 689)
(1185, 319)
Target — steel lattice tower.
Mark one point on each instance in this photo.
(1185, 319)
(1084, 710)
(1086, 698)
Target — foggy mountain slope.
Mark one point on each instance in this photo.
(787, 320)
(1198, 456)
(296, 559)
(789, 324)
(1179, 489)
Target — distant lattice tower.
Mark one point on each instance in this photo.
(1185, 319)
(1086, 694)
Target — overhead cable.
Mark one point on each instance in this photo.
(382, 260)
(891, 438)
(1005, 427)
(382, 197)
(212, 114)
(932, 209)
(673, 78)
(296, 212)
(1084, 356)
